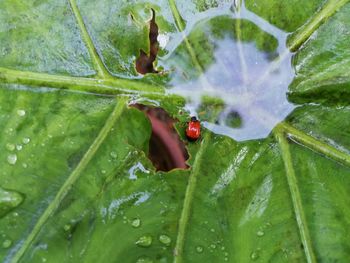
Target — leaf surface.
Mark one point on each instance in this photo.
(268, 181)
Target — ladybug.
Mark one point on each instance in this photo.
(193, 130)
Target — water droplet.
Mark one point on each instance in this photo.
(213, 246)
(260, 233)
(26, 140)
(19, 147)
(222, 248)
(226, 259)
(144, 241)
(164, 239)
(226, 254)
(114, 155)
(144, 260)
(212, 230)
(103, 171)
(11, 147)
(7, 243)
(8, 201)
(67, 227)
(25, 165)
(199, 249)
(136, 222)
(254, 255)
(12, 159)
(21, 113)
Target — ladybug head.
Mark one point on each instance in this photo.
(193, 118)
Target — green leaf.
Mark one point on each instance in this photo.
(42, 36)
(268, 180)
(327, 65)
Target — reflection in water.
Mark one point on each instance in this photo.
(251, 83)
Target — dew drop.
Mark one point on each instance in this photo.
(213, 246)
(260, 233)
(11, 147)
(144, 260)
(12, 159)
(113, 155)
(8, 201)
(103, 171)
(21, 113)
(25, 165)
(144, 241)
(19, 147)
(136, 222)
(7, 243)
(212, 230)
(26, 140)
(199, 249)
(226, 259)
(67, 227)
(254, 255)
(164, 239)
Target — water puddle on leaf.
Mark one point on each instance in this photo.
(245, 64)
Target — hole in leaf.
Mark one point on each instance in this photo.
(166, 150)
(144, 63)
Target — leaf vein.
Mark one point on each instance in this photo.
(296, 198)
(92, 85)
(66, 187)
(315, 144)
(96, 60)
(188, 200)
(299, 37)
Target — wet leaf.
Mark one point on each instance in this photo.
(269, 178)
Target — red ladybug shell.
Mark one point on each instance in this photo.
(193, 131)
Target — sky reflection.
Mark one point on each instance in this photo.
(252, 84)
